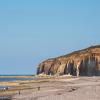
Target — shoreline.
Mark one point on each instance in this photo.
(50, 86)
(16, 76)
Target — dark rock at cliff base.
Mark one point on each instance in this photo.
(84, 62)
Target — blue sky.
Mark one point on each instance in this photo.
(34, 30)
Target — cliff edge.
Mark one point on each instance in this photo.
(84, 62)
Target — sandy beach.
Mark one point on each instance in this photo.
(82, 88)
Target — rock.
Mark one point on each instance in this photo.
(84, 62)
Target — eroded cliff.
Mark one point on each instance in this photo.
(84, 62)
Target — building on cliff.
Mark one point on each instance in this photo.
(84, 62)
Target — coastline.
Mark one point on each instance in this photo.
(59, 88)
(16, 76)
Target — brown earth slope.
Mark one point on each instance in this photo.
(84, 62)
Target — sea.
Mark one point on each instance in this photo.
(11, 78)
(8, 78)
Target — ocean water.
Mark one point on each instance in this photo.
(8, 79)
(13, 79)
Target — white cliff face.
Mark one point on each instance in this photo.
(80, 63)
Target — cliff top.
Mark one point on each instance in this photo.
(77, 52)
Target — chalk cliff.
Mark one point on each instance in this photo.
(84, 62)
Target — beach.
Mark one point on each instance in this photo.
(62, 88)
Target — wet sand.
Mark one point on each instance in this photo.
(82, 88)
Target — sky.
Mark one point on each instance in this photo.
(32, 31)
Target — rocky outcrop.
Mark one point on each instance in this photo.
(84, 62)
